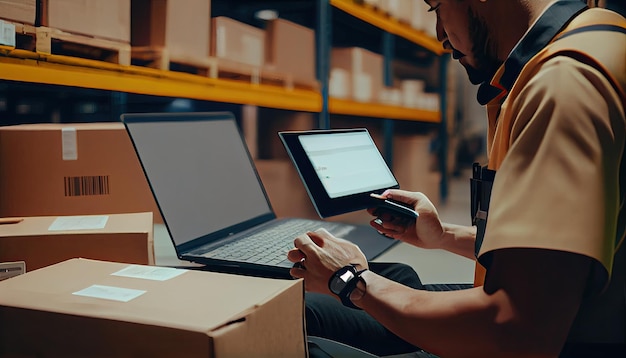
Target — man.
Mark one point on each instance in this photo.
(550, 235)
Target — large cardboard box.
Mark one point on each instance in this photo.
(45, 240)
(366, 71)
(103, 19)
(182, 27)
(237, 42)
(85, 308)
(71, 169)
(22, 11)
(290, 48)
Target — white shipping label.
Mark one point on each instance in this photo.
(68, 223)
(69, 144)
(110, 293)
(7, 34)
(149, 272)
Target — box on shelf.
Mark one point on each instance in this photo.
(413, 165)
(236, 41)
(399, 9)
(421, 19)
(22, 11)
(272, 121)
(46, 240)
(81, 307)
(182, 27)
(102, 19)
(290, 48)
(412, 92)
(366, 71)
(392, 96)
(285, 189)
(339, 84)
(71, 169)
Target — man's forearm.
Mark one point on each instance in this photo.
(459, 239)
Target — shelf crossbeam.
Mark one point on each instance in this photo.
(26, 66)
(375, 110)
(394, 27)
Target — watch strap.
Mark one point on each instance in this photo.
(345, 293)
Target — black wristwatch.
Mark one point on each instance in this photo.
(343, 282)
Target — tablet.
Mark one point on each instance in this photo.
(340, 168)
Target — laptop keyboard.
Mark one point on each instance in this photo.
(270, 246)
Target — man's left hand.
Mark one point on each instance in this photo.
(319, 254)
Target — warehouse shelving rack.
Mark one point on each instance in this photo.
(25, 67)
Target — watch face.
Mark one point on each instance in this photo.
(340, 280)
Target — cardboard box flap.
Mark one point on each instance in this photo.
(192, 303)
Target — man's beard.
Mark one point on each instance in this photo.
(484, 52)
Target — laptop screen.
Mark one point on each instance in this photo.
(199, 170)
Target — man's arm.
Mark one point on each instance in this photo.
(459, 239)
(525, 309)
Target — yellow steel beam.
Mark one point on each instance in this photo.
(346, 107)
(368, 15)
(26, 66)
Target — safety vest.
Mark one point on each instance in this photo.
(587, 38)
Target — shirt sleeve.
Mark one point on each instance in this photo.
(558, 185)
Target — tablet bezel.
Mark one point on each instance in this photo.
(323, 203)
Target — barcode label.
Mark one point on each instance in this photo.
(7, 34)
(87, 185)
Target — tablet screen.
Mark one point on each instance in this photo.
(339, 168)
(347, 163)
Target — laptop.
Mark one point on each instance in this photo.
(343, 171)
(212, 200)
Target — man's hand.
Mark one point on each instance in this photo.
(425, 232)
(319, 254)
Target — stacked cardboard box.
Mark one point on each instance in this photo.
(43, 241)
(102, 19)
(290, 49)
(71, 169)
(235, 41)
(84, 308)
(22, 11)
(182, 27)
(365, 70)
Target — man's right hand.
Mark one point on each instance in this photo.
(425, 232)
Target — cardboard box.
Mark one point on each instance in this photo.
(71, 169)
(238, 42)
(57, 312)
(45, 240)
(183, 27)
(366, 71)
(103, 19)
(271, 121)
(285, 189)
(340, 84)
(414, 165)
(290, 48)
(22, 11)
